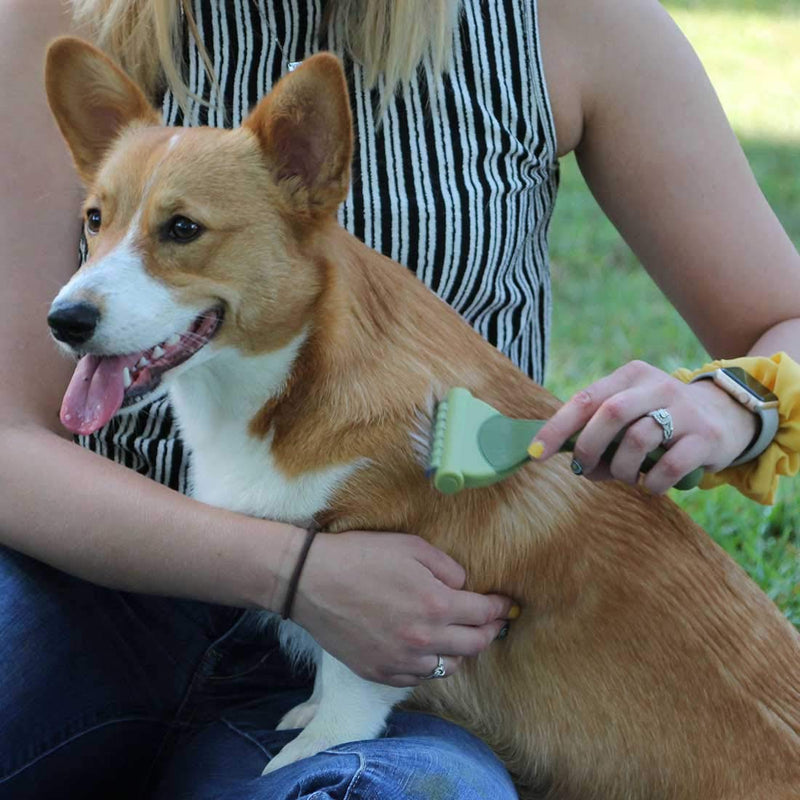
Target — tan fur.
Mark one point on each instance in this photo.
(109, 93)
(645, 664)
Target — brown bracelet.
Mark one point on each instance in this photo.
(294, 581)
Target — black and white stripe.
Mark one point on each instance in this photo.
(458, 182)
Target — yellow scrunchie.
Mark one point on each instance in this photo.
(758, 479)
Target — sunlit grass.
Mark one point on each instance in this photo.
(606, 309)
(753, 59)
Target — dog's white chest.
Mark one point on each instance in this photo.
(233, 470)
(230, 467)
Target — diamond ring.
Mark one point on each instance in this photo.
(664, 419)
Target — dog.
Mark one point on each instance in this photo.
(645, 663)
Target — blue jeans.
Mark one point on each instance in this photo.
(110, 695)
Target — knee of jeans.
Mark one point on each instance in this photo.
(449, 767)
(329, 775)
(420, 757)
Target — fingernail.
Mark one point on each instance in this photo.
(514, 611)
(576, 467)
(536, 449)
(503, 631)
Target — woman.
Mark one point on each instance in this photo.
(458, 182)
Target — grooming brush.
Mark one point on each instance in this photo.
(474, 445)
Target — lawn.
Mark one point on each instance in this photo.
(751, 50)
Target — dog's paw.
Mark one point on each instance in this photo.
(299, 716)
(301, 747)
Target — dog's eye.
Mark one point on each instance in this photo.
(93, 220)
(183, 229)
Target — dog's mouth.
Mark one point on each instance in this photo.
(102, 385)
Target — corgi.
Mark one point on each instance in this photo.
(303, 369)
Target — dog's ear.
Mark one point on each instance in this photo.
(92, 101)
(304, 128)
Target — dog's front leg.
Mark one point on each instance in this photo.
(301, 715)
(350, 709)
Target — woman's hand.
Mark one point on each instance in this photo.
(388, 604)
(710, 428)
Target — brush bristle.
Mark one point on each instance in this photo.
(437, 437)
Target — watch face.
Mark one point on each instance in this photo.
(753, 386)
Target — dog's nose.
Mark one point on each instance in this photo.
(73, 323)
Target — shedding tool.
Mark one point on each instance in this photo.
(474, 445)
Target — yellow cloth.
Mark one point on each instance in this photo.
(758, 479)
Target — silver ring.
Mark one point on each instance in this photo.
(664, 419)
(438, 672)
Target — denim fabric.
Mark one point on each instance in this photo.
(111, 695)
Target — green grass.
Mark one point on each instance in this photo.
(751, 49)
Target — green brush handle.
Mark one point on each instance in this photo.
(504, 444)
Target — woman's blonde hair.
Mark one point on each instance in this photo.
(389, 37)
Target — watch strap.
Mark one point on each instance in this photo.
(768, 419)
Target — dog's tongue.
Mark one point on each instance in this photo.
(95, 392)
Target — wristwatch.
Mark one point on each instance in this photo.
(745, 389)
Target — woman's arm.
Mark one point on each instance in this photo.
(656, 150)
(658, 153)
(100, 521)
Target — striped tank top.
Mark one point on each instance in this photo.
(457, 182)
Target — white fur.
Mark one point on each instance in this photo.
(138, 310)
(297, 644)
(421, 432)
(214, 401)
(302, 714)
(348, 709)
